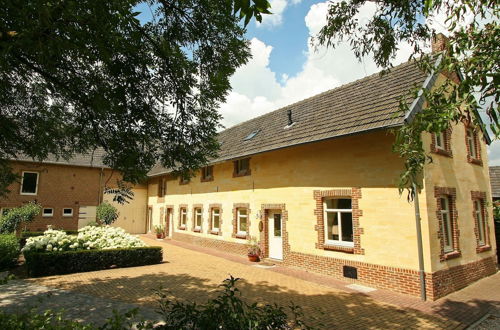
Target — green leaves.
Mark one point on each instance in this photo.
(80, 76)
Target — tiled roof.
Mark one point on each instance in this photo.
(495, 181)
(93, 159)
(363, 105)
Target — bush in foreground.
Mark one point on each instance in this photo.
(226, 312)
(66, 262)
(107, 213)
(9, 250)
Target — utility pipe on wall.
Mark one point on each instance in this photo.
(420, 245)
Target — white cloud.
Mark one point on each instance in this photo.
(494, 153)
(257, 89)
(277, 8)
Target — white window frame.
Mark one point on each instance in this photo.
(48, 215)
(439, 137)
(215, 229)
(22, 182)
(197, 213)
(67, 215)
(471, 141)
(446, 222)
(240, 216)
(339, 212)
(183, 219)
(481, 223)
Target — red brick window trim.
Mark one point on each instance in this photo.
(182, 217)
(211, 229)
(473, 145)
(239, 211)
(197, 218)
(207, 174)
(241, 167)
(481, 228)
(321, 197)
(441, 143)
(447, 215)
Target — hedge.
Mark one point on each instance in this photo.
(9, 250)
(56, 263)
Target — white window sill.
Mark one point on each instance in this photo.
(28, 194)
(47, 215)
(341, 244)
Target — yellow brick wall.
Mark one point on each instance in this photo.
(291, 175)
(457, 172)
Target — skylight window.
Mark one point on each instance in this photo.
(252, 135)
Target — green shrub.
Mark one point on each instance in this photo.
(107, 213)
(55, 263)
(10, 222)
(33, 320)
(227, 311)
(9, 250)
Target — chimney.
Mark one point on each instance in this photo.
(290, 120)
(439, 43)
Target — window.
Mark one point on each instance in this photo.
(183, 218)
(439, 140)
(242, 167)
(215, 219)
(207, 173)
(471, 143)
(197, 219)
(184, 180)
(67, 212)
(447, 224)
(338, 218)
(480, 221)
(162, 187)
(48, 212)
(29, 183)
(242, 222)
(251, 135)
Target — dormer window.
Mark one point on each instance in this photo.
(241, 167)
(252, 135)
(207, 173)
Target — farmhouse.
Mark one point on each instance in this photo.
(315, 185)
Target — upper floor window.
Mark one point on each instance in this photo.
(48, 212)
(183, 218)
(162, 187)
(29, 183)
(338, 222)
(184, 180)
(439, 140)
(215, 219)
(480, 221)
(207, 173)
(242, 167)
(242, 222)
(441, 143)
(471, 143)
(197, 219)
(67, 212)
(446, 224)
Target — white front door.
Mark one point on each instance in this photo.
(275, 235)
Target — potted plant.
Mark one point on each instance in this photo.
(159, 231)
(253, 251)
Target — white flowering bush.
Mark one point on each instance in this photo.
(90, 237)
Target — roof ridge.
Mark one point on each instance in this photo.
(378, 73)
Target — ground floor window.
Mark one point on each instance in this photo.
(338, 222)
(67, 212)
(447, 216)
(242, 221)
(48, 212)
(215, 219)
(182, 218)
(446, 224)
(197, 219)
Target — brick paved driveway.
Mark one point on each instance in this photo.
(193, 275)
